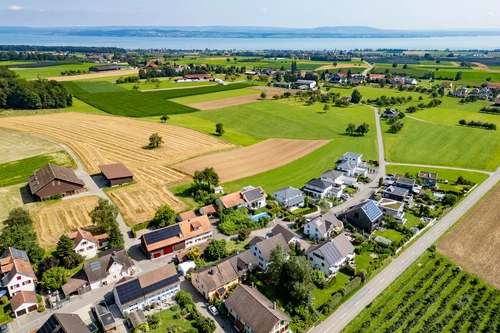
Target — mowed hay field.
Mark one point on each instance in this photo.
(474, 244)
(264, 156)
(17, 145)
(52, 221)
(105, 139)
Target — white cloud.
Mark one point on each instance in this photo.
(15, 8)
(490, 14)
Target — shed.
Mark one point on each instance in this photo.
(116, 174)
(383, 240)
(184, 267)
(137, 319)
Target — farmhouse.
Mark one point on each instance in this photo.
(448, 85)
(251, 198)
(251, 311)
(217, 279)
(460, 92)
(331, 255)
(24, 302)
(430, 178)
(53, 180)
(322, 226)
(85, 244)
(390, 113)
(176, 237)
(262, 250)
(64, 323)
(497, 101)
(158, 286)
(305, 84)
(197, 76)
(105, 68)
(376, 77)
(116, 174)
(288, 234)
(17, 273)
(393, 208)
(365, 215)
(289, 197)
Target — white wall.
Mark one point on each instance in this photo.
(167, 294)
(24, 306)
(199, 239)
(87, 249)
(20, 282)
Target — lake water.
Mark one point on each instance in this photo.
(431, 43)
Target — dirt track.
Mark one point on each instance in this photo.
(95, 76)
(249, 161)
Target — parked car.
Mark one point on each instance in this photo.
(4, 328)
(213, 310)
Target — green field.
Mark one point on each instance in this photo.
(50, 71)
(17, 172)
(433, 295)
(165, 83)
(94, 87)
(215, 96)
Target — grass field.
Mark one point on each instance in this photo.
(215, 96)
(165, 83)
(13, 197)
(432, 295)
(16, 172)
(50, 71)
(474, 243)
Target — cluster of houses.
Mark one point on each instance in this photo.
(404, 81)
(484, 93)
(344, 78)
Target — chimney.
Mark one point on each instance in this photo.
(274, 305)
(253, 285)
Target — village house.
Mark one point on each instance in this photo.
(430, 178)
(116, 174)
(181, 235)
(352, 165)
(215, 280)
(53, 180)
(288, 234)
(24, 302)
(331, 255)
(251, 198)
(289, 197)
(376, 77)
(305, 84)
(398, 81)
(338, 178)
(411, 81)
(392, 208)
(460, 92)
(250, 311)
(64, 323)
(319, 189)
(409, 184)
(17, 272)
(85, 244)
(398, 194)
(262, 250)
(157, 286)
(321, 227)
(108, 268)
(356, 79)
(447, 85)
(390, 113)
(365, 215)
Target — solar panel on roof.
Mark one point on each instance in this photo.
(331, 253)
(129, 291)
(160, 285)
(18, 254)
(371, 210)
(162, 234)
(49, 325)
(95, 265)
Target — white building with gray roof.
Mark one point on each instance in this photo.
(331, 255)
(322, 226)
(262, 250)
(289, 197)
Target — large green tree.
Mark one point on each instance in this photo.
(205, 324)
(215, 250)
(155, 140)
(54, 278)
(64, 247)
(104, 214)
(207, 177)
(164, 216)
(356, 96)
(277, 261)
(296, 280)
(116, 237)
(18, 217)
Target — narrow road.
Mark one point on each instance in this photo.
(365, 72)
(350, 309)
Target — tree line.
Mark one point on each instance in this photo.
(82, 49)
(16, 93)
(473, 123)
(22, 56)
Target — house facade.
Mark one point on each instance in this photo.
(17, 272)
(251, 197)
(84, 243)
(319, 189)
(289, 197)
(392, 208)
(108, 269)
(305, 84)
(157, 286)
(430, 178)
(331, 255)
(262, 250)
(365, 215)
(322, 226)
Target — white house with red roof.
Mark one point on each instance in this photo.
(17, 273)
(85, 244)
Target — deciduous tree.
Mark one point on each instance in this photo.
(54, 278)
(356, 96)
(219, 129)
(104, 214)
(164, 216)
(155, 140)
(215, 250)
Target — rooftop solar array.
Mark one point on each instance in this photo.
(129, 291)
(155, 287)
(371, 210)
(95, 265)
(50, 325)
(253, 194)
(162, 234)
(331, 253)
(18, 254)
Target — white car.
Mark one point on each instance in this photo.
(213, 310)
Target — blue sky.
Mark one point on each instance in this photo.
(387, 14)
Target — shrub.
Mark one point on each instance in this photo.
(4, 300)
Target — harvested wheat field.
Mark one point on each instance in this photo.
(52, 221)
(475, 243)
(249, 161)
(16, 145)
(99, 139)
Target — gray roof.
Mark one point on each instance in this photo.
(353, 155)
(267, 245)
(316, 182)
(335, 249)
(137, 318)
(399, 191)
(287, 233)
(370, 209)
(98, 269)
(332, 174)
(255, 309)
(390, 111)
(288, 192)
(325, 221)
(48, 173)
(105, 316)
(406, 181)
(68, 323)
(345, 166)
(308, 82)
(255, 240)
(243, 262)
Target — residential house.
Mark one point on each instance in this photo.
(411, 81)
(376, 77)
(288, 234)
(64, 323)
(157, 286)
(289, 197)
(390, 113)
(398, 81)
(85, 244)
(251, 198)
(409, 184)
(497, 100)
(392, 208)
(430, 178)
(338, 79)
(252, 312)
(305, 84)
(319, 189)
(321, 227)
(338, 178)
(179, 236)
(17, 272)
(53, 180)
(151, 64)
(447, 85)
(331, 255)
(353, 158)
(365, 215)
(286, 85)
(396, 193)
(24, 302)
(108, 268)
(215, 280)
(460, 92)
(350, 169)
(474, 93)
(356, 79)
(262, 250)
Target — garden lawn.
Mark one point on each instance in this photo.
(167, 319)
(17, 172)
(391, 234)
(445, 145)
(215, 96)
(321, 296)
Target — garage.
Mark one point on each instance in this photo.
(33, 308)
(157, 255)
(20, 312)
(168, 249)
(24, 302)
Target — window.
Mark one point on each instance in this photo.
(84, 243)
(322, 264)
(19, 277)
(90, 247)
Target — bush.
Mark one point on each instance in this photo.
(330, 305)
(4, 300)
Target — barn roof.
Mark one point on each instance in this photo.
(48, 173)
(115, 171)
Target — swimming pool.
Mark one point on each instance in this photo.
(258, 216)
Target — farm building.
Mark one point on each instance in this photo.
(197, 76)
(105, 68)
(52, 180)
(446, 85)
(286, 85)
(176, 237)
(305, 84)
(390, 113)
(116, 174)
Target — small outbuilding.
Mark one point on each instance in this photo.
(184, 267)
(116, 174)
(137, 319)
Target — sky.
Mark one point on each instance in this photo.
(384, 14)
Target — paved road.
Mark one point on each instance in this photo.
(365, 72)
(349, 310)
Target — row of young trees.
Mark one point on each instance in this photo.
(473, 123)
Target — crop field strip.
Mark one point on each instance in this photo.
(435, 297)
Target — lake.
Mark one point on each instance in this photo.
(431, 43)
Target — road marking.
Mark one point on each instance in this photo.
(422, 243)
(356, 303)
(412, 252)
(429, 237)
(369, 291)
(393, 270)
(403, 260)
(382, 280)
(328, 329)
(343, 315)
